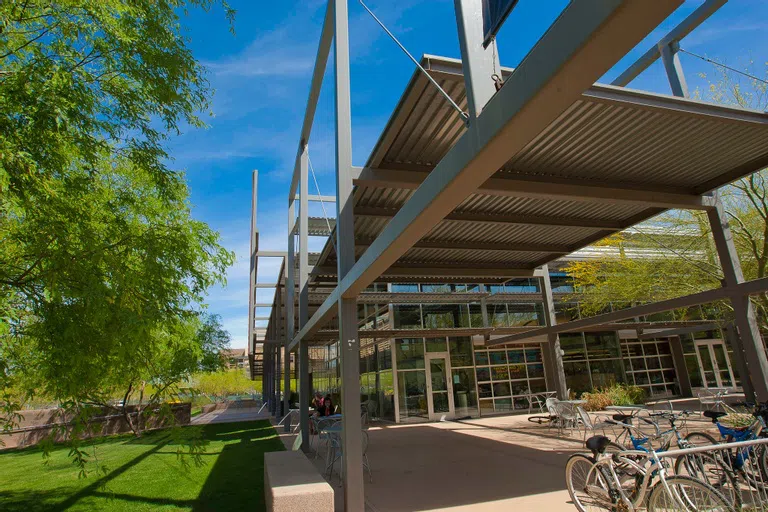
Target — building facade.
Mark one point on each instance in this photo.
(407, 379)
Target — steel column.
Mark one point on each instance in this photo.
(290, 291)
(277, 321)
(683, 379)
(354, 491)
(741, 363)
(479, 63)
(743, 311)
(555, 355)
(253, 267)
(304, 297)
(674, 69)
(286, 340)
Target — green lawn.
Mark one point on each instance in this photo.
(144, 474)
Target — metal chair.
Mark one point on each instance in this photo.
(336, 453)
(592, 426)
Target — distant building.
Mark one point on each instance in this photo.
(237, 358)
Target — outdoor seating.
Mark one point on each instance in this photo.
(711, 399)
(336, 453)
(320, 424)
(592, 426)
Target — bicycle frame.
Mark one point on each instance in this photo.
(652, 468)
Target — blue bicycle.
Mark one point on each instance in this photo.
(749, 463)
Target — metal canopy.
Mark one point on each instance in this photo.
(616, 157)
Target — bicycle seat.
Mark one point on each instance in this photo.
(623, 418)
(597, 444)
(714, 415)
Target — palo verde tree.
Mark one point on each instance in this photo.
(102, 267)
(674, 254)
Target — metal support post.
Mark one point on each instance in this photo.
(554, 354)
(290, 301)
(683, 379)
(479, 63)
(352, 441)
(741, 363)
(674, 69)
(287, 339)
(743, 311)
(304, 298)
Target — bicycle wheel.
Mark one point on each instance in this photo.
(540, 420)
(711, 470)
(700, 439)
(589, 491)
(688, 495)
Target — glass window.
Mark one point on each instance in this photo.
(503, 405)
(481, 357)
(494, 288)
(461, 351)
(476, 315)
(410, 353)
(516, 356)
(500, 372)
(522, 285)
(521, 315)
(577, 377)
(386, 394)
(602, 345)
(436, 344)
(486, 407)
(532, 355)
(405, 288)
(445, 316)
(485, 390)
(501, 389)
(384, 356)
(497, 356)
(517, 371)
(561, 282)
(407, 316)
(483, 373)
(535, 370)
(572, 346)
(497, 315)
(412, 394)
(438, 288)
(464, 395)
(606, 373)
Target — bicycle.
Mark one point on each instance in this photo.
(621, 481)
(702, 466)
(750, 464)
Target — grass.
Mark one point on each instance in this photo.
(145, 474)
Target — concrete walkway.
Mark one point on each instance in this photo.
(487, 464)
(231, 415)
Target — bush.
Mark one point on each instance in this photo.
(617, 394)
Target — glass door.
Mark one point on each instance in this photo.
(714, 364)
(439, 387)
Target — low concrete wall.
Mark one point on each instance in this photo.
(293, 484)
(39, 424)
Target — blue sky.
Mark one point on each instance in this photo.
(261, 76)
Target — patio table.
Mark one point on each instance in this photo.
(632, 410)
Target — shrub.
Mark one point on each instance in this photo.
(617, 394)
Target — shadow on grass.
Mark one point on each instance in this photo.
(235, 481)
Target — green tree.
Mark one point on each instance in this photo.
(102, 267)
(214, 339)
(674, 253)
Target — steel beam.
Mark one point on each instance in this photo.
(270, 254)
(685, 27)
(321, 59)
(289, 295)
(476, 246)
(288, 336)
(253, 262)
(304, 390)
(743, 310)
(351, 438)
(313, 198)
(674, 69)
(666, 333)
(526, 220)
(480, 63)
(741, 362)
(552, 349)
(678, 359)
(436, 270)
(579, 47)
(740, 290)
(563, 189)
